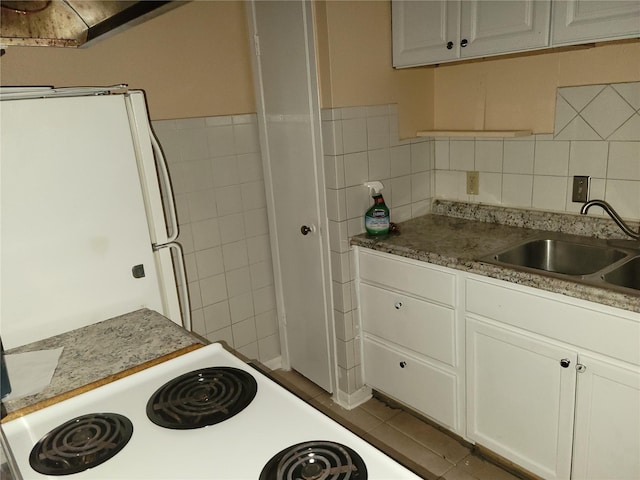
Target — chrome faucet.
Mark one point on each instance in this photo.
(613, 214)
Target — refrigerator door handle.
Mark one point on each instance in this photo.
(163, 174)
(181, 284)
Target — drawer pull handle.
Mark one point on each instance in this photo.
(403, 364)
(398, 305)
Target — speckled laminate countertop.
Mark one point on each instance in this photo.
(449, 239)
(104, 349)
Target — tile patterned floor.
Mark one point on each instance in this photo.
(423, 448)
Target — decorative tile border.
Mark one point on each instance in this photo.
(598, 112)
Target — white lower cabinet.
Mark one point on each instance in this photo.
(550, 383)
(411, 338)
(580, 422)
(520, 397)
(554, 411)
(607, 422)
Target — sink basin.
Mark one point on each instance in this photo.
(563, 257)
(626, 275)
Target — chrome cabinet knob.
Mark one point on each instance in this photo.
(449, 45)
(398, 305)
(305, 230)
(464, 42)
(403, 364)
(565, 362)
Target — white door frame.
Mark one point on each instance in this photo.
(320, 194)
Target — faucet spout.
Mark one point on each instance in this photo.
(613, 214)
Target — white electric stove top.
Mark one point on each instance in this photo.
(236, 448)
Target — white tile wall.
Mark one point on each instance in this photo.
(361, 144)
(597, 133)
(216, 171)
(217, 176)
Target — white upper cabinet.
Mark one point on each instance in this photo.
(437, 31)
(494, 27)
(425, 32)
(429, 31)
(577, 21)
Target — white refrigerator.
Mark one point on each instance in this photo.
(87, 221)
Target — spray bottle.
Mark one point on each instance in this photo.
(376, 220)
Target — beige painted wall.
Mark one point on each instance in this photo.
(354, 50)
(186, 57)
(515, 92)
(519, 93)
(192, 62)
(195, 61)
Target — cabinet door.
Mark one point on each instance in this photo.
(576, 21)
(422, 31)
(520, 400)
(607, 431)
(491, 27)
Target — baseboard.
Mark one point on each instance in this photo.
(352, 400)
(274, 363)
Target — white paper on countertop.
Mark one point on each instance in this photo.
(31, 372)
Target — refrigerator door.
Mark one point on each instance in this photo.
(161, 211)
(75, 244)
(153, 169)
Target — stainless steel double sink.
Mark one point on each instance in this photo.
(613, 264)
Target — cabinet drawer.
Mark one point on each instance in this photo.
(421, 326)
(416, 279)
(421, 386)
(606, 330)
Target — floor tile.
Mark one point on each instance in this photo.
(303, 387)
(429, 452)
(357, 416)
(429, 436)
(412, 449)
(380, 409)
(476, 468)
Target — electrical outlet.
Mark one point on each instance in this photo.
(473, 183)
(580, 189)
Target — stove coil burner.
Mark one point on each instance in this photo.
(201, 397)
(316, 460)
(81, 443)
